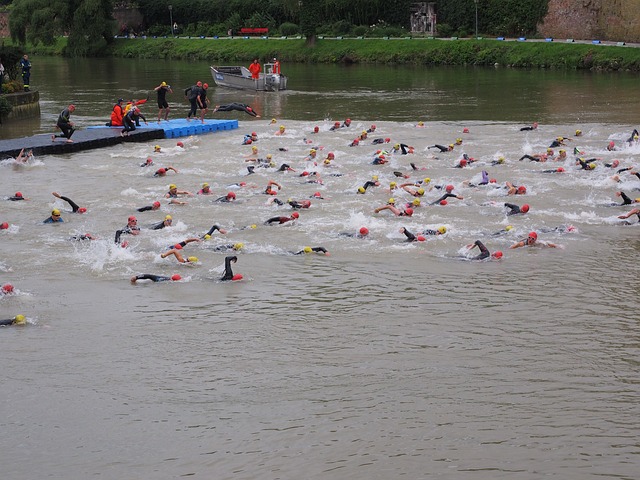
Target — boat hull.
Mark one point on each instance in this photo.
(240, 78)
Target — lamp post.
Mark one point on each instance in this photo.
(476, 2)
(173, 33)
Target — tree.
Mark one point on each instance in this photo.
(89, 23)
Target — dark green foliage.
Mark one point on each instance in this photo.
(10, 60)
(289, 28)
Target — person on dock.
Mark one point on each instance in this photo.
(117, 113)
(193, 95)
(130, 121)
(241, 107)
(65, 124)
(203, 102)
(163, 106)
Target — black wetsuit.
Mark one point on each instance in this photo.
(484, 252)
(625, 199)
(443, 197)
(284, 167)
(15, 198)
(428, 231)
(369, 183)
(556, 144)
(203, 99)
(410, 236)
(633, 134)
(529, 157)
(442, 148)
(71, 203)
(212, 229)
(145, 209)
(228, 273)
(130, 120)
(377, 141)
(158, 226)
(7, 322)
(125, 230)
(403, 149)
(585, 164)
(513, 209)
(525, 129)
(192, 94)
(279, 220)
(162, 97)
(313, 249)
(153, 278)
(241, 107)
(64, 124)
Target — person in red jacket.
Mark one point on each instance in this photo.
(116, 114)
(254, 68)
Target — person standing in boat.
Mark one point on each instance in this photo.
(254, 68)
(276, 66)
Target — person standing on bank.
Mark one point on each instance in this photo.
(65, 124)
(25, 64)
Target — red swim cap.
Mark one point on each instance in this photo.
(337, 124)
(4, 226)
(177, 246)
(443, 202)
(237, 276)
(408, 212)
(316, 129)
(492, 180)
(248, 141)
(205, 86)
(7, 288)
(387, 140)
(306, 203)
(522, 189)
(331, 155)
(272, 192)
(525, 208)
(348, 120)
(448, 188)
(560, 170)
(420, 238)
(156, 203)
(463, 163)
(132, 218)
(304, 174)
(497, 255)
(180, 144)
(533, 235)
(317, 194)
(176, 277)
(18, 194)
(465, 130)
(82, 210)
(199, 84)
(364, 231)
(231, 195)
(162, 170)
(243, 184)
(295, 215)
(373, 127)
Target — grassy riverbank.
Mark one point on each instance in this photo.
(558, 55)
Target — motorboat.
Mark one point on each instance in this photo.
(240, 77)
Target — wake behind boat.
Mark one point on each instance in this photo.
(240, 77)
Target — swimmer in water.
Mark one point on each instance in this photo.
(559, 229)
(633, 137)
(167, 222)
(515, 189)
(362, 233)
(635, 211)
(147, 163)
(529, 127)
(229, 247)
(484, 251)
(228, 198)
(6, 289)
(444, 197)
(154, 206)
(74, 206)
(410, 236)
(587, 164)
(506, 229)
(240, 107)
(24, 157)
(439, 231)
(4, 226)
(318, 250)
(55, 217)
(515, 209)
(175, 251)
(131, 229)
(174, 192)
(413, 192)
(16, 197)
(442, 148)
(407, 212)
(162, 172)
(625, 199)
(205, 190)
(554, 170)
(155, 278)
(281, 220)
(228, 273)
(269, 190)
(19, 320)
(532, 240)
(213, 229)
(82, 237)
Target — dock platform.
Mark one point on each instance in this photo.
(100, 136)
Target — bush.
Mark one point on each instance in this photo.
(444, 30)
(360, 30)
(342, 27)
(5, 106)
(12, 86)
(289, 29)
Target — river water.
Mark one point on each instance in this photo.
(384, 360)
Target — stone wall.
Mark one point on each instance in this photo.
(4, 24)
(613, 20)
(25, 105)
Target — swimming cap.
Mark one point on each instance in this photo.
(317, 194)
(273, 120)
(348, 120)
(168, 217)
(508, 228)
(443, 202)
(387, 140)
(4, 226)
(205, 86)
(393, 185)
(560, 170)
(282, 127)
(615, 163)
(238, 246)
(7, 288)
(132, 218)
(458, 140)
(243, 184)
(426, 180)
(391, 201)
(236, 277)
(373, 127)
(408, 212)
(248, 141)
(199, 83)
(18, 194)
(492, 180)
(331, 155)
(306, 203)
(316, 129)
(231, 195)
(313, 150)
(337, 124)
(465, 130)
(451, 145)
(82, 210)
(156, 203)
(149, 161)
(180, 144)
(463, 163)
(396, 146)
(550, 151)
(592, 166)
(533, 235)
(578, 132)
(420, 191)
(497, 255)
(524, 208)
(612, 144)
(172, 186)
(207, 237)
(364, 231)
(307, 250)
(162, 170)
(381, 157)
(304, 174)
(420, 238)
(157, 147)
(560, 139)
(272, 192)
(192, 259)
(20, 320)
(442, 229)
(522, 189)
(176, 277)
(562, 150)
(205, 185)
(254, 148)
(253, 225)
(163, 84)
(177, 246)
(55, 212)
(364, 132)
(361, 190)
(448, 188)
(416, 202)
(375, 178)
(295, 214)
